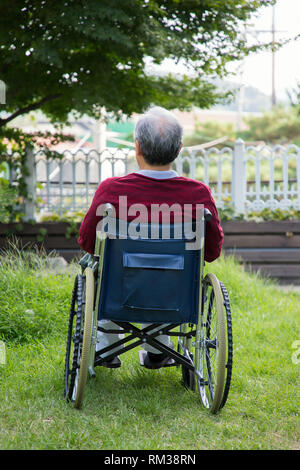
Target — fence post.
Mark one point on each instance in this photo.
(30, 181)
(238, 176)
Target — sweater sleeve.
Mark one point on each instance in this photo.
(214, 234)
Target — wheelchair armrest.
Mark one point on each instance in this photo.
(85, 261)
(207, 215)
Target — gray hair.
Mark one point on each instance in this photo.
(159, 135)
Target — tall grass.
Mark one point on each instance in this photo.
(33, 298)
(135, 408)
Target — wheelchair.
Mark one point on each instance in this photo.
(159, 283)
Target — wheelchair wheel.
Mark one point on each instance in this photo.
(213, 345)
(79, 337)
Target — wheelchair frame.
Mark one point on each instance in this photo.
(196, 343)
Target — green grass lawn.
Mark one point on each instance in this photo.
(135, 408)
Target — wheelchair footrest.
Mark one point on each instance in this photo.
(144, 361)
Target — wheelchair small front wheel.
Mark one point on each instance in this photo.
(79, 337)
(212, 346)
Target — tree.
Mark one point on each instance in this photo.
(209, 131)
(294, 97)
(280, 125)
(80, 55)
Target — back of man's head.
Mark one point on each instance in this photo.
(159, 135)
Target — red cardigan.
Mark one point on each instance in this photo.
(147, 190)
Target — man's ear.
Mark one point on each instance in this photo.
(137, 148)
(138, 154)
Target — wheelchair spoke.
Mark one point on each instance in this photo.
(211, 343)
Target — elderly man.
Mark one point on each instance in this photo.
(158, 140)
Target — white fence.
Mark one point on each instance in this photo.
(251, 178)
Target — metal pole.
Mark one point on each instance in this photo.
(30, 181)
(238, 176)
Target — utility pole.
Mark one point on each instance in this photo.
(241, 96)
(255, 33)
(273, 58)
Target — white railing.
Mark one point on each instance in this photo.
(276, 183)
(251, 178)
(68, 185)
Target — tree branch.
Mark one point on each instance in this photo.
(30, 107)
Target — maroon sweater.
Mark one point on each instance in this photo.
(146, 190)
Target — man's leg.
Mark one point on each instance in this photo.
(155, 359)
(164, 339)
(107, 339)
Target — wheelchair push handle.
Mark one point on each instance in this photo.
(207, 215)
